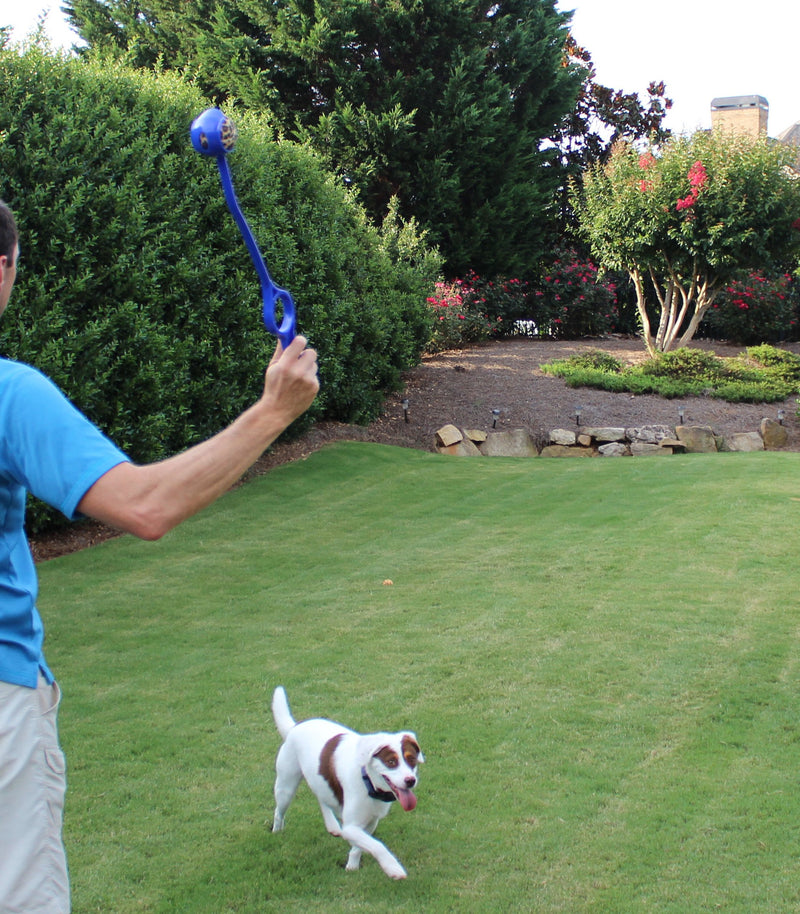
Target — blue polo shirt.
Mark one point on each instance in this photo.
(49, 448)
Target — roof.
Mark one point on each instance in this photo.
(740, 101)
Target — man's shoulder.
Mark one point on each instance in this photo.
(10, 369)
(23, 379)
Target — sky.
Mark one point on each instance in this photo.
(701, 49)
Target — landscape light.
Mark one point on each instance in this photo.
(495, 416)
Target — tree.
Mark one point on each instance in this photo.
(687, 221)
(601, 118)
(443, 104)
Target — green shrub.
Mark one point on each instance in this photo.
(135, 291)
(686, 363)
(756, 309)
(505, 302)
(596, 359)
(785, 363)
(568, 301)
(685, 372)
(766, 390)
(576, 301)
(459, 317)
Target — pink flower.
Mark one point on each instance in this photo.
(646, 161)
(644, 186)
(698, 176)
(686, 203)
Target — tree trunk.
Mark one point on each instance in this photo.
(641, 306)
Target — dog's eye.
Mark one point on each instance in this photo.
(392, 762)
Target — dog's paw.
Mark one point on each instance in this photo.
(277, 824)
(391, 866)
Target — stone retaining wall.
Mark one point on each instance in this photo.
(642, 441)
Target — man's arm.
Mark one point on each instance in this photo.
(148, 501)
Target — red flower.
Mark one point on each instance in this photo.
(686, 203)
(698, 177)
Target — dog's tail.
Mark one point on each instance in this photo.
(280, 711)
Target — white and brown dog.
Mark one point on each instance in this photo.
(349, 774)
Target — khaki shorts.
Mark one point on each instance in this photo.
(33, 864)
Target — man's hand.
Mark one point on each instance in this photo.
(291, 381)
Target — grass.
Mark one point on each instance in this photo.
(599, 658)
(764, 374)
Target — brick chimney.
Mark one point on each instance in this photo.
(741, 114)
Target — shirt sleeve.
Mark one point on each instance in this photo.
(49, 446)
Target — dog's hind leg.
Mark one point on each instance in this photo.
(353, 858)
(287, 780)
(331, 822)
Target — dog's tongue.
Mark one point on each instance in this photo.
(406, 799)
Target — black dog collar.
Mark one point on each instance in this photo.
(384, 795)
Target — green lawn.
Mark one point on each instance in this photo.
(599, 657)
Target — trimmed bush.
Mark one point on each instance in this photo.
(764, 377)
(574, 300)
(757, 309)
(459, 317)
(135, 291)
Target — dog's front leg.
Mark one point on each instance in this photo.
(361, 841)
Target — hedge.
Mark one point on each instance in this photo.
(135, 292)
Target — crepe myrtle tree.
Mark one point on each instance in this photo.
(687, 219)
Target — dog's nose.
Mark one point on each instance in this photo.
(410, 782)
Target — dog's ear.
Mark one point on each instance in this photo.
(411, 750)
(372, 746)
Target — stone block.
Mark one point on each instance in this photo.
(475, 434)
(448, 434)
(463, 448)
(743, 441)
(515, 442)
(613, 449)
(697, 439)
(652, 434)
(774, 434)
(649, 449)
(560, 450)
(563, 436)
(605, 434)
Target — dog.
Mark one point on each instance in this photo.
(355, 778)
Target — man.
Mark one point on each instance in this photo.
(49, 448)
